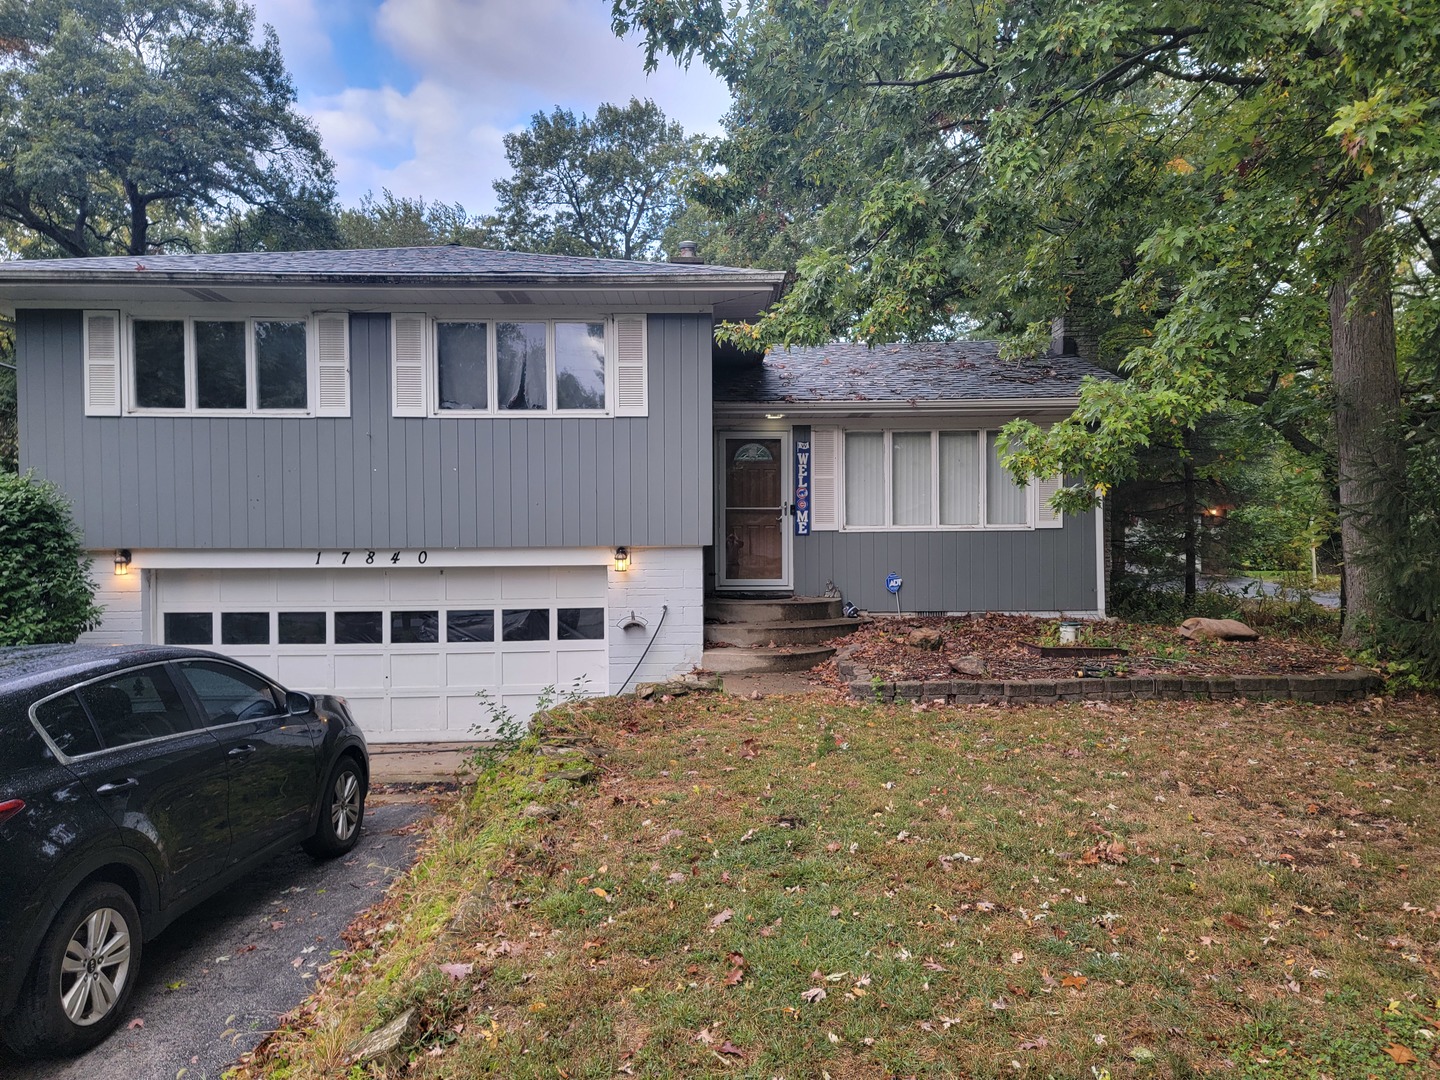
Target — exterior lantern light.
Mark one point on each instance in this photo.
(622, 559)
(1213, 516)
(122, 561)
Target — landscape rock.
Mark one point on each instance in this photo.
(970, 665)
(374, 1044)
(540, 812)
(685, 684)
(1217, 630)
(925, 638)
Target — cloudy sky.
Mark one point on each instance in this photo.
(415, 95)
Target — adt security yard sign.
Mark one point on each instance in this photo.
(893, 582)
(802, 487)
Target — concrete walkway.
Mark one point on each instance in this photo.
(420, 763)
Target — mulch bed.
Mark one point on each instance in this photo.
(1001, 640)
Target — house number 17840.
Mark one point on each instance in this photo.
(370, 558)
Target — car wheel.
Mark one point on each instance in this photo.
(341, 812)
(81, 980)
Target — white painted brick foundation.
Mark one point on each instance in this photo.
(657, 578)
(123, 622)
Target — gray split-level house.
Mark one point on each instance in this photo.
(414, 474)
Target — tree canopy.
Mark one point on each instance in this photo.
(607, 186)
(392, 221)
(1223, 197)
(128, 125)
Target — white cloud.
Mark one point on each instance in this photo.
(481, 68)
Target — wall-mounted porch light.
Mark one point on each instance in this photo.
(622, 559)
(122, 561)
(774, 416)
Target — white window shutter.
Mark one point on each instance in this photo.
(101, 333)
(632, 397)
(824, 479)
(1046, 516)
(408, 333)
(332, 350)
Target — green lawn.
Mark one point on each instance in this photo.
(797, 887)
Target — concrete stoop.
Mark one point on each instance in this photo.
(777, 635)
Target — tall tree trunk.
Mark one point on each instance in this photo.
(1367, 398)
(1192, 510)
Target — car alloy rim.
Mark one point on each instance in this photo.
(345, 807)
(96, 967)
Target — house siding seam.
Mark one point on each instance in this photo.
(372, 480)
(1016, 570)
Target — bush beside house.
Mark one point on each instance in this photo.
(46, 594)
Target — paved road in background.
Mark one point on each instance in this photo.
(1247, 586)
(241, 960)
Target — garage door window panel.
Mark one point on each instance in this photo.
(463, 626)
(580, 624)
(359, 628)
(526, 624)
(189, 628)
(136, 707)
(245, 628)
(301, 627)
(227, 694)
(68, 725)
(414, 627)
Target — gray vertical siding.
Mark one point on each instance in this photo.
(372, 480)
(1043, 570)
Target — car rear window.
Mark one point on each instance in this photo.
(68, 725)
(135, 706)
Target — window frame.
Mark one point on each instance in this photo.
(74, 687)
(492, 366)
(935, 431)
(132, 406)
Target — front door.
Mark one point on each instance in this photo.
(752, 550)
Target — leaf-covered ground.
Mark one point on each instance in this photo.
(1000, 641)
(798, 887)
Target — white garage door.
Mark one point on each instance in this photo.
(409, 649)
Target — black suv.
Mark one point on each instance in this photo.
(136, 782)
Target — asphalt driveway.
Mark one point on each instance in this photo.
(215, 982)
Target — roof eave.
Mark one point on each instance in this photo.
(158, 278)
(745, 409)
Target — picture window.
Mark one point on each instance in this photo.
(221, 365)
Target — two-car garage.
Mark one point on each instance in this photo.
(410, 648)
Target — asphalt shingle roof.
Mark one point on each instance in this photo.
(919, 371)
(444, 261)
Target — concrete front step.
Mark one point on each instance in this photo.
(795, 632)
(794, 608)
(737, 661)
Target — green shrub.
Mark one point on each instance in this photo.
(46, 594)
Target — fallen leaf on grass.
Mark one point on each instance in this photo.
(722, 918)
(1077, 981)
(1235, 922)
(457, 971)
(727, 1047)
(815, 993)
(1401, 1055)
(1037, 1043)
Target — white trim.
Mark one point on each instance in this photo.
(798, 412)
(1099, 513)
(436, 558)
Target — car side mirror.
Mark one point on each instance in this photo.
(298, 704)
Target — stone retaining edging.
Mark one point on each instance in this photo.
(1347, 686)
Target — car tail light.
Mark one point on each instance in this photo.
(10, 808)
